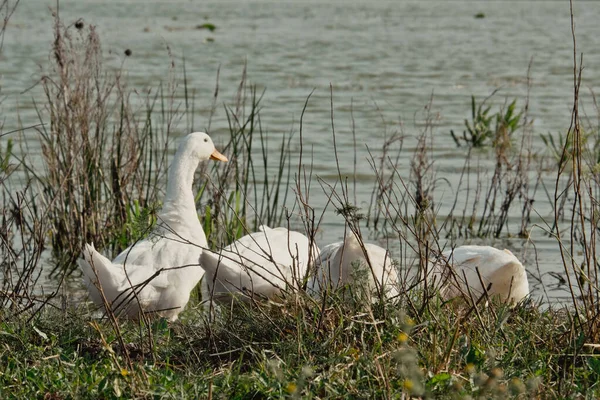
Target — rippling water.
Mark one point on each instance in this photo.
(384, 59)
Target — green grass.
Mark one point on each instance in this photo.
(295, 349)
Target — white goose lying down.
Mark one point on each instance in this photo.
(499, 267)
(176, 242)
(262, 263)
(338, 265)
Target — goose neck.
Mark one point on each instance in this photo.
(179, 194)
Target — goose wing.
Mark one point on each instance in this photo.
(262, 262)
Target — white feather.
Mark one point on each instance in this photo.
(262, 263)
(339, 261)
(158, 273)
(461, 269)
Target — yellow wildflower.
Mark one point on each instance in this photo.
(402, 337)
(291, 388)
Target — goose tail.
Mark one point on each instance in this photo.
(98, 271)
(216, 268)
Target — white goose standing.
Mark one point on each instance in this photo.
(263, 263)
(338, 265)
(457, 272)
(158, 273)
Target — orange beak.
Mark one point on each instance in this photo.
(218, 156)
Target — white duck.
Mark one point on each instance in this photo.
(457, 271)
(341, 263)
(158, 273)
(263, 263)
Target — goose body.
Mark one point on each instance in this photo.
(157, 274)
(261, 264)
(346, 262)
(457, 272)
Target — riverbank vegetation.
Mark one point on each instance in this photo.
(100, 177)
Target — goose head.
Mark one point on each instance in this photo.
(201, 147)
(193, 149)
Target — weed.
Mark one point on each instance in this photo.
(481, 131)
(99, 157)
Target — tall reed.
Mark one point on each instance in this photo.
(101, 157)
(249, 190)
(577, 179)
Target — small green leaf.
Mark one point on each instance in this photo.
(161, 326)
(580, 340)
(594, 364)
(442, 377)
(207, 25)
(475, 356)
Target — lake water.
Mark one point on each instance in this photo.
(384, 59)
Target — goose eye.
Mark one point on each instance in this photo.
(205, 140)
